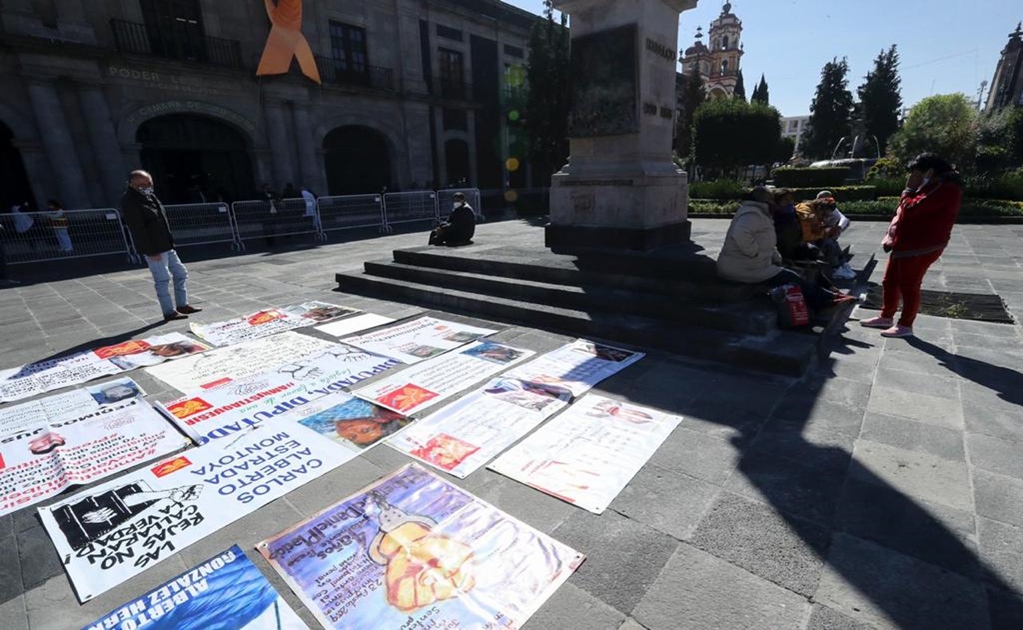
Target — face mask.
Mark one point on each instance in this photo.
(146, 190)
(458, 204)
(923, 184)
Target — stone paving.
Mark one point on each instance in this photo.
(885, 490)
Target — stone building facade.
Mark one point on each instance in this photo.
(1007, 85)
(413, 93)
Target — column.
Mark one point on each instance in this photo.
(58, 143)
(278, 136)
(312, 170)
(103, 137)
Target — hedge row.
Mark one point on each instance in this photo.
(726, 190)
(883, 207)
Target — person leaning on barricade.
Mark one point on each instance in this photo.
(460, 226)
(146, 219)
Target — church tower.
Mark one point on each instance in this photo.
(1007, 86)
(718, 63)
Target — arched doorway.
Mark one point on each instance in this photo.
(195, 158)
(14, 184)
(456, 156)
(357, 160)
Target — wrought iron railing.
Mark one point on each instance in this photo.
(139, 39)
(335, 73)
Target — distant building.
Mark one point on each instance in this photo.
(793, 127)
(1007, 86)
(718, 65)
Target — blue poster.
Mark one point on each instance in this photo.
(226, 592)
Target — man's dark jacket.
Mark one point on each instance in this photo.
(461, 225)
(147, 221)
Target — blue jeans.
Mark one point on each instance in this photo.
(169, 266)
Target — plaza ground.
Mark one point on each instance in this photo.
(884, 490)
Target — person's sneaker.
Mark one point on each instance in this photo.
(897, 332)
(877, 322)
(173, 315)
(188, 309)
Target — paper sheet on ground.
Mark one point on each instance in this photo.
(577, 366)
(225, 591)
(77, 437)
(414, 551)
(226, 364)
(354, 324)
(418, 339)
(269, 322)
(588, 454)
(465, 435)
(110, 533)
(428, 383)
(300, 387)
(44, 376)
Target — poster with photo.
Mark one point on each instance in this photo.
(223, 365)
(151, 351)
(414, 551)
(423, 385)
(226, 591)
(419, 339)
(45, 376)
(577, 366)
(588, 454)
(73, 403)
(269, 322)
(463, 436)
(107, 534)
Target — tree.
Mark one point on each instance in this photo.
(693, 95)
(1000, 140)
(945, 124)
(548, 104)
(881, 98)
(784, 150)
(830, 111)
(740, 87)
(760, 93)
(730, 134)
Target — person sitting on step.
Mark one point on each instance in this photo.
(459, 227)
(813, 216)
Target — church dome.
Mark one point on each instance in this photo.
(696, 49)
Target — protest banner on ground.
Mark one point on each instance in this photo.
(224, 411)
(414, 551)
(108, 534)
(577, 366)
(225, 591)
(217, 367)
(588, 454)
(352, 422)
(75, 369)
(465, 435)
(418, 339)
(428, 383)
(354, 324)
(77, 437)
(269, 322)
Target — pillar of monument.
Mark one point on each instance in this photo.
(620, 188)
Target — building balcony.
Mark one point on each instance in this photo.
(334, 73)
(184, 45)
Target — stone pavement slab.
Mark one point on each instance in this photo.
(916, 474)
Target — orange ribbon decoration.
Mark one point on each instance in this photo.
(286, 41)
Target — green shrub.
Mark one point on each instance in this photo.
(1007, 186)
(810, 177)
(718, 189)
(887, 168)
(887, 187)
(713, 206)
(886, 206)
(842, 194)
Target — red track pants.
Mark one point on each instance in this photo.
(902, 279)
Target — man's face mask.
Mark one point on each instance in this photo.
(459, 204)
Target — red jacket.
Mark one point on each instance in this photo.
(924, 221)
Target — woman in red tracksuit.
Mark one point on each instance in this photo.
(916, 239)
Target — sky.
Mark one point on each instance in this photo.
(945, 46)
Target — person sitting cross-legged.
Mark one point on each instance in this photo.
(459, 227)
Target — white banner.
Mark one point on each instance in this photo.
(588, 454)
(223, 411)
(226, 364)
(110, 533)
(269, 322)
(419, 339)
(577, 366)
(462, 437)
(426, 384)
(354, 324)
(75, 438)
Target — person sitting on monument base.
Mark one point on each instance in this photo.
(459, 227)
(750, 253)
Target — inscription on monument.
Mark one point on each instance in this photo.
(605, 88)
(667, 113)
(649, 109)
(661, 50)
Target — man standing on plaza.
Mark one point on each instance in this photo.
(146, 219)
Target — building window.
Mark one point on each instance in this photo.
(514, 51)
(175, 29)
(725, 46)
(455, 119)
(452, 74)
(793, 125)
(724, 67)
(449, 33)
(348, 51)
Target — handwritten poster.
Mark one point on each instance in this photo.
(107, 534)
(269, 322)
(418, 339)
(588, 454)
(414, 551)
(577, 366)
(432, 381)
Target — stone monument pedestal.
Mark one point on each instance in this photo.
(620, 189)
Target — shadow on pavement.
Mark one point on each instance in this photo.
(1007, 382)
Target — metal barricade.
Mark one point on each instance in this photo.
(351, 211)
(266, 220)
(29, 237)
(446, 201)
(202, 224)
(409, 207)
